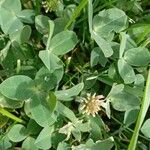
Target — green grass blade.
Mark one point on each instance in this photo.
(142, 113)
(90, 15)
(76, 13)
(11, 116)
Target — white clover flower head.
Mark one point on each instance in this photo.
(92, 104)
(50, 5)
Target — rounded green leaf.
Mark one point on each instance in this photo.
(9, 103)
(67, 95)
(14, 6)
(7, 19)
(8, 12)
(139, 81)
(106, 144)
(47, 79)
(124, 101)
(137, 56)
(130, 116)
(51, 61)
(26, 16)
(103, 44)
(15, 36)
(60, 24)
(40, 111)
(28, 144)
(63, 42)
(25, 34)
(65, 111)
(51, 101)
(63, 146)
(126, 71)
(96, 125)
(116, 88)
(5, 143)
(97, 56)
(17, 133)
(43, 141)
(21, 35)
(109, 20)
(15, 26)
(41, 24)
(146, 128)
(33, 128)
(17, 87)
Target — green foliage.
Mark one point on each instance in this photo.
(126, 71)
(67, 95)
(17, 87)
(74, 74)
(29, 143)
(43, 141)
(108, 21)
(50, 60)
(123, 101)
(17, 133)
(65, 111)
(145, 128)
(142, 114)
(106, 144)
(5, 143)
(63, 42)
(62, 146)
(137, 56)
(41, 24)
(97, 57)
(11, 20)
(8, 103)
(3, 120)
(40, 111)
(130, 116)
